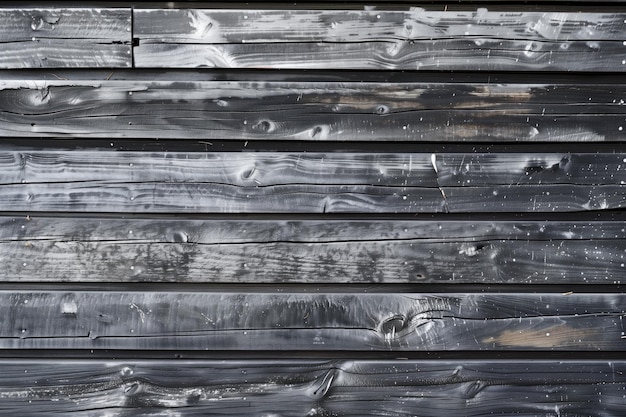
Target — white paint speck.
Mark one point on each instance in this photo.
(69, 307)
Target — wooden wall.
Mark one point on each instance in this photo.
(313, 209)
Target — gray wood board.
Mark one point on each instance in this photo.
(313, 388)
(319, 111)
(410, 40)
(280, 26)
(284, 320)
(277, 182)
(62, 38)
(53, 249)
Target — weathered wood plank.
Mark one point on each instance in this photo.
(414, 39)
(448, 55)
(312, 388)
(44, 249)
(253, 110)
(22, 165)
(105, 180)
(280, 26)
(61, 38)
(304, 321)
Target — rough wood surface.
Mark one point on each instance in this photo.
(90, 264)
(312, 388)
(415, 39)
(61, 38)
(319, 111)
(46, 249)
(286, 320)
(207, 182)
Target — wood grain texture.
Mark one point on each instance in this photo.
(45, 249)
(286, 320)
(209, 182)
(318, 111)
(409, 40)
(62, 38)
(312, 388)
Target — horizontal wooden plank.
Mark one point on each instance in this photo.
(445, 55)
(280, 26)
(409, 40)
(106, 180)
(310, 321)
(347, 111)
(62, 38)
(45, 249)
(19, 165)
(313, 388)
(47, 53)
(100, 24)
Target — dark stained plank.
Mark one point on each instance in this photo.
(312, 388)
(320, 111)
(275, 182)
(410, 40)
(286, 320)
(47, 249)
(62, 38)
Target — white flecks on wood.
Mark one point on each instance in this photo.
(416, 39)
(65, 38)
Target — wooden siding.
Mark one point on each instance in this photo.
(313, 209)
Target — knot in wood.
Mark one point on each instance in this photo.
(392, 326)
